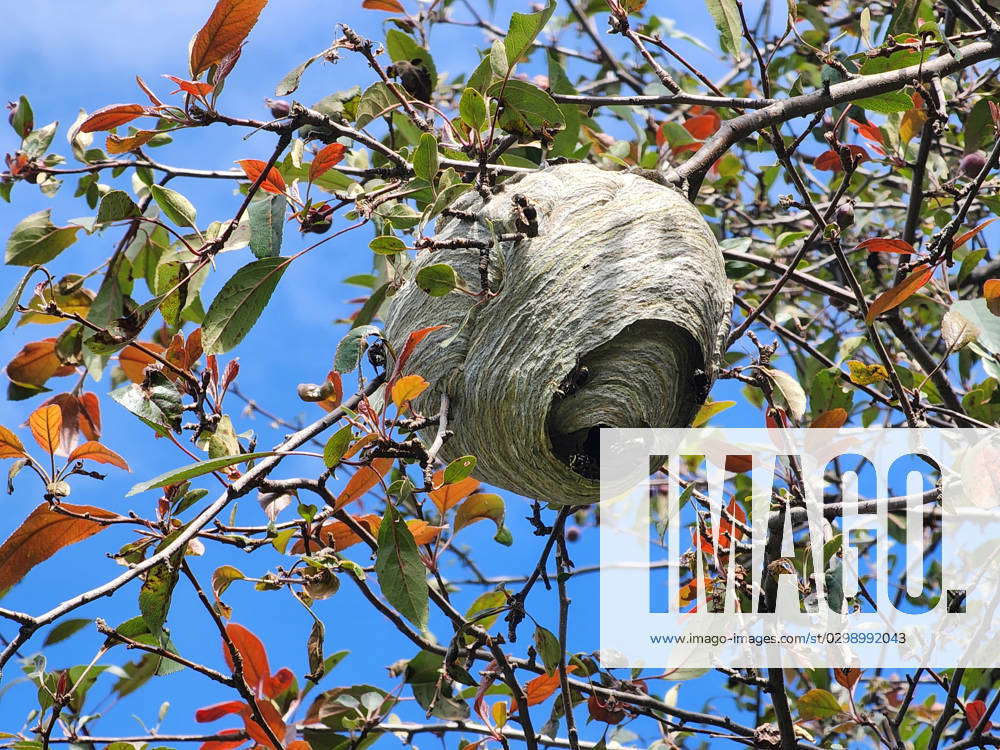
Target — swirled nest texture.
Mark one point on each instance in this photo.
(614, 315)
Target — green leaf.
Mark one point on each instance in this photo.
(336, 446)
(437, 279)
(472, 109)
(237, 306)
(459, 469)
(158, 404)
(818, 704)
(524, 29)
(547, 646)
(24, 120)
(291, 80)
(158, 588)
(403, 47)
(371, 307)
(348, 354)
(726, 15)
(387, 244)
(891, 101)
(38, 141)
(223, 441)
(37, 240)
(115, 206)
(377, 98)
(175, 206)
(9, 305)
(425, 158)
(401, 574)
(169, 281)
(498, 60)
(267, 225)
(195, 470)
(64, 630)
(527, 111)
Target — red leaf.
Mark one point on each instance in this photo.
(847, 676)
(112, 116)
(273, 719)
(90, 416)
(256, 670)
(609, 713)
(828, 161)
(974, 712)
(195, 88)
(217, 711)
(869, 131)
(411, 343)
(901, 292)
(273, 183)
(390, 6)
(153, 98)
(703, 126)
(963, 238)
(223, 32)
(225, 744)
(278, 682)
(886, 245)
(326, 159)
(725, 525)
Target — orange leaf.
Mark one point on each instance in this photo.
(256, 670)
(298, 745)
(223, 32)
(901, 292)
(833, 418)
(847, 677)
(363, 480)
(886, 245)
(963, 238)
(10, 445)
(703, 126)
(45, 423)
(332, 401)
(273, 183)
(195, 88)
(390, 6)
(153, 98)
(192, 348)
(326, 159)
(42, 534)
(974, 712)
(828, 161)
(991, 291)
(36, 363)
(112, 116)
(90, 416)
(218, 710)
(423, 532)
(94, 451)
(452, 494)
(134, 362)
(411, 343)
(407, 388)
(541, 687)
(735, 510)
(117, 145)
(339, 536)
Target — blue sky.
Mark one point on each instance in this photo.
(64, 56)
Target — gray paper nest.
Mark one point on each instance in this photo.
(614, 315)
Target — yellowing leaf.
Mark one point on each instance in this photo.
(42, 534)
(958, 331)
(913, 120)
(94, 451)
(45, 424)
(709, 409)
(423, 532)
(10, 445)
(408, 388)
(223, 32)
(818, 704)
(831, 419)
(865, 374)
(363, 480)
(117, 145)
(479, 507)
(901, 292)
